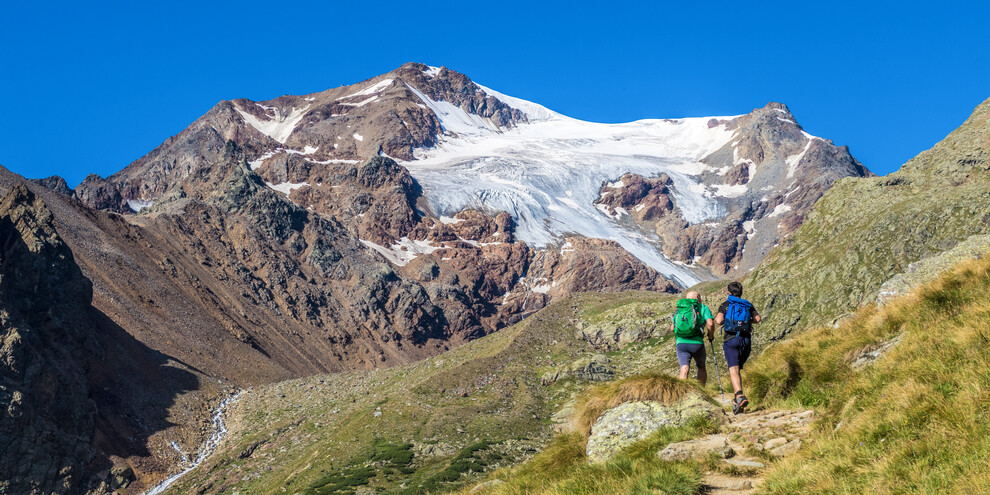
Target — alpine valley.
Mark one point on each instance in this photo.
(379, 281)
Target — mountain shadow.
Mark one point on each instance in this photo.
(78, 394)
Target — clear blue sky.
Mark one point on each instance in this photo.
(90, 86)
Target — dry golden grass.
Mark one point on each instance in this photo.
(917, 420)
(646, 387)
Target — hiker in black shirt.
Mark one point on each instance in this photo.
(737, 316)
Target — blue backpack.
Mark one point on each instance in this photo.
(737, 317)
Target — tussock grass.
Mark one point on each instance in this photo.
(917, 420)
(646, 387)
(562, 468)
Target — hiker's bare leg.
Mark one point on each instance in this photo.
(735, 378)
(702, 375)
(685, 370)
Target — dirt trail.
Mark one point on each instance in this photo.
(755, 439)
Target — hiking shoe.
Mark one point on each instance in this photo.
(739, 404)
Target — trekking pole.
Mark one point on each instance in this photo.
(718, 377)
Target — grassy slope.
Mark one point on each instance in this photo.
(562, 467)
(915, 421)
(294, 434)
(864, 231)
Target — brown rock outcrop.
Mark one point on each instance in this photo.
(101, 194)
(643, 199)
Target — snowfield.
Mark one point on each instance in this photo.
(547, 173)
(277, 127)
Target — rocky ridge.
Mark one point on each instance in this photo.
(864, 232)
(765, 180)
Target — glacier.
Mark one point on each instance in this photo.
(548, 172)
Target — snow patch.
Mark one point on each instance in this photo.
(454, 119)
(286, 187)
(278, 127)
(733, 191)
(403, 251)
(534, 111)
(793, 160)
(541, 289)
(136, 205)
(450, 220)
(750, 227)
(358, 137)
(362, 102)
(327, 162)
(378, 87)
(780, 210)
(254, 164)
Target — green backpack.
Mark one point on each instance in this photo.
(687, 320)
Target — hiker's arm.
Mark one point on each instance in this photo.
(720, 319)
(710, 326)
(756, 316)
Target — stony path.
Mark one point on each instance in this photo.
(747, 443)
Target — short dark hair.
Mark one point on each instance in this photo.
(735, 289)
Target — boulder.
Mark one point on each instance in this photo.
(787, 449)
(744, 463)
(698, 447)
(774, 443)
(631, 422)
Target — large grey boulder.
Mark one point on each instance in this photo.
(631, 422)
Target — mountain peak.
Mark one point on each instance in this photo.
(774, 105)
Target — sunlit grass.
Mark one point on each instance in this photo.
(915, 421)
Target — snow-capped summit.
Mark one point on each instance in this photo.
(737, 183)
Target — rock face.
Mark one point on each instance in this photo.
(928, 269)
(595, 368)
(47, 417)
(766, 179)
(55, 183)
(77, 397)
(96, 192)
(630, 422)
(864, 232)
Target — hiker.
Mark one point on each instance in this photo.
(687, 326)
(737, 316)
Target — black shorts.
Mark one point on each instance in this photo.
(737, 351)
(687, 351)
